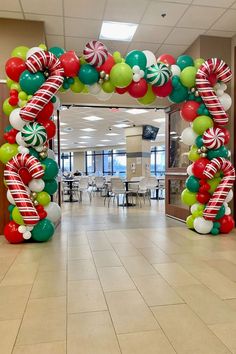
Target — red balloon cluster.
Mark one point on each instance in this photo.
(203, 197)
(138, 89)
(189, 110)
(41, 212)
(226, 224)
(107, 66)
(12, 234)
(50, 127)
(164, 90)
(199, 167)
(14, 68)
(13, 99)
(46, 112)
(70, 63)
(11, 136)
(166, 59)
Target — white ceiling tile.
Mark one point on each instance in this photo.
(125, 11)
(52, 7)
(174, 50)
(173, 12)
(82, 28)
(200, 17)
(53, 24)
(119, 46)
(9, 14)
(183, 36)
(214, 3)
(153, 34)
(93, 9)
(219, 33)
(77, 44)
(55, 41)
(143, 46)
(227, 22)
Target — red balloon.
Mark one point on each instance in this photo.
(11, 139)
(227, 135)
(14, 68)
(203, 197)
(107, 66)
(163, 91)
(25, 175)
(13, 92)
(12, 234)
(46, 112)
(121, 90)
(189, 110)
(199, 167)
(50, 127)
(204, 187)
(138, 89)
(70, 63)
(226, 224)
(13, 100)
(166, 59)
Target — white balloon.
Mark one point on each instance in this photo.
(219, 92)
(20, 141)
(188, 136)
(202, 226)
(94, 89)
(190, 170)
(141, 73)
(53, 212)
(229, 196)
(136, 69)
(151, 59)
(33, 50)
(27, 235)
(10, 197)
(223, 86)
(23, 150)
(136, 77)
(36, 185)
(104, 96)
(22, 229)
(57, 104)
(175, 69)
(226, 101)
(194, 207)
(51, 154)
(38, 148)
(227, 211)
(15, 119)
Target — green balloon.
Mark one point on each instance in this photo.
(10, 208)
(220, 213)
(183, 61)
(9, 82)
(198, 62)
(108, 87)
(199, 141)
(57, 51)
(117, 57)
(34, 153)
(189, 222)
(188, 198)
(43, 230)
(77, 86)
(221, 152)
(51, 169)
(179, 92)
(8, 128)
(30, 83)
(136, 57)
(214, 182)
(20, 52)
(188, 76)
(7, 151)
(43, 198)
(202, 123)
(51, 186)
(193, 155)
(16, 216)
(149, 97)
(88, 75)
(215, 231)
(121, 75)
(7, 108)
(192, 183)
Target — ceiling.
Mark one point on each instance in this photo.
(72, 23)
(77, 139)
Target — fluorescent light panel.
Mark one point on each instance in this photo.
(105, 140)
(92, 118)
(136, 111)
(121, 125)
(112, 134)
(118, 31)
(159, 120)
(85, 137)
(88, 129)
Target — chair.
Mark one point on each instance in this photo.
(152, 185)
(99, 183)
(117, 188)
(143, 191)
(84, 187)
(162, 187)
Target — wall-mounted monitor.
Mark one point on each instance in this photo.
(149, 132)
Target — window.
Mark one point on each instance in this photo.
(119, 163)
(90, 162)
(107, 162)
(158, 161)
(67, 161)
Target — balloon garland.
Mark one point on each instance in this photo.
(34, 75)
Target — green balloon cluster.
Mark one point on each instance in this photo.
(192, 184)
(57, 51)
(221, 152)
(43, 230)
(201, 124)
(51, 186)
(88, 75)
(51, 169)
(136, 57)
(188, 198)
(179, 92)
(121, 75)
(184, 61)
(31, 82)
(7, 151)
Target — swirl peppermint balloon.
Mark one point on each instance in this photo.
(158, 74)
(95, 53)
(213, 138)
(34, 134)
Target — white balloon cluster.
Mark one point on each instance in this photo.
(97, 91)
(26, 231)
(224, 97)
(188, 136)
(138, 74)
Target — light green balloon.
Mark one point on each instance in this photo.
(202, 123)
(149, 97)
(189, 222)
(7, 151)
(198, 62)
(16, 216)
(193, 155)
(7, 108)
(43, 198)
(188, 198)
(121, 75)
(108, 87)
(20, 52)
(188, 76)
(214, 182)
(9, 82)
(77, 86)
(117, 57)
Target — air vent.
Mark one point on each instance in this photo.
(68, 129)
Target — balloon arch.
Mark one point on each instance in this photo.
(35, 75)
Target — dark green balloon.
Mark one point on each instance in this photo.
(215, 231)
(220, 213)
(8, 128)
(179, 92)
(221, 152)
(53, 99)
(192, 183)
(10, 208)
(88, 75)
(51, 186)
(51, 169)
(43, 230)
(34, 153)
(184, 60)
(57, 51)
(136, 57)
(199, 141)
(30, 83)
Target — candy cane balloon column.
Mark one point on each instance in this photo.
(221, 192)
(17, 187)
(43, 61)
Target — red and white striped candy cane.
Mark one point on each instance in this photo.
(221, 192)
(205, 89)
(42, 61)
(17, 187)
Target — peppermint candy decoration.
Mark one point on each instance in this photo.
(213, 138)
(95, 53)
(158, 74)
(34, 134)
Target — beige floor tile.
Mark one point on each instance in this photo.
(227, 268)
(20, 274)
(169, 247)
(116, 236)
(49, 284)
(8, 333)
(156, 291)
(79, 252)
(231, 303)
(85, 296)
(140, 241)
(137, 265)
(226, 332)
(151, 342)
(186, 332)
(41, 348)
(80, 269)
(29, 256)
(175, 274)
(125, 249)
(115, 279)
(155, 255)
(99, 244)
(13, 300)
(129, 312)
(91, 333)
(107, 258)
(77, 240)
(44, 321)
(53, 262)
(95, 234)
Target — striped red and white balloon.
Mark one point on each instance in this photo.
(41, 61)
(18, 189)
(206, 91)
(213, 138)
(95, 53)
(221, 192)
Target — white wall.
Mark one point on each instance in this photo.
(79, 163)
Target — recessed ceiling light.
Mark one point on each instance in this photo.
(100, 145)
(63, 133)
(122, 143)
(92, 118)
(88, 129)
(136, 111)
(85, 137)
(111, 134)
(105, 140)
(118, 31)
(121, 125)
(63, 139)
(82, 142)
(82, 146)
(159, 120)
(62, 123)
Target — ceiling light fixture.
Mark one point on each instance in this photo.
(136, 111)
(92, 118)
(85, 137)
(62, 123)
(121, 125)
(88, 129)
(112, 134)
(118, 31)
(63, 133)
(100, 145)
(159, 120)
(105, 140)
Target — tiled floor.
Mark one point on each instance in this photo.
(119, 281)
